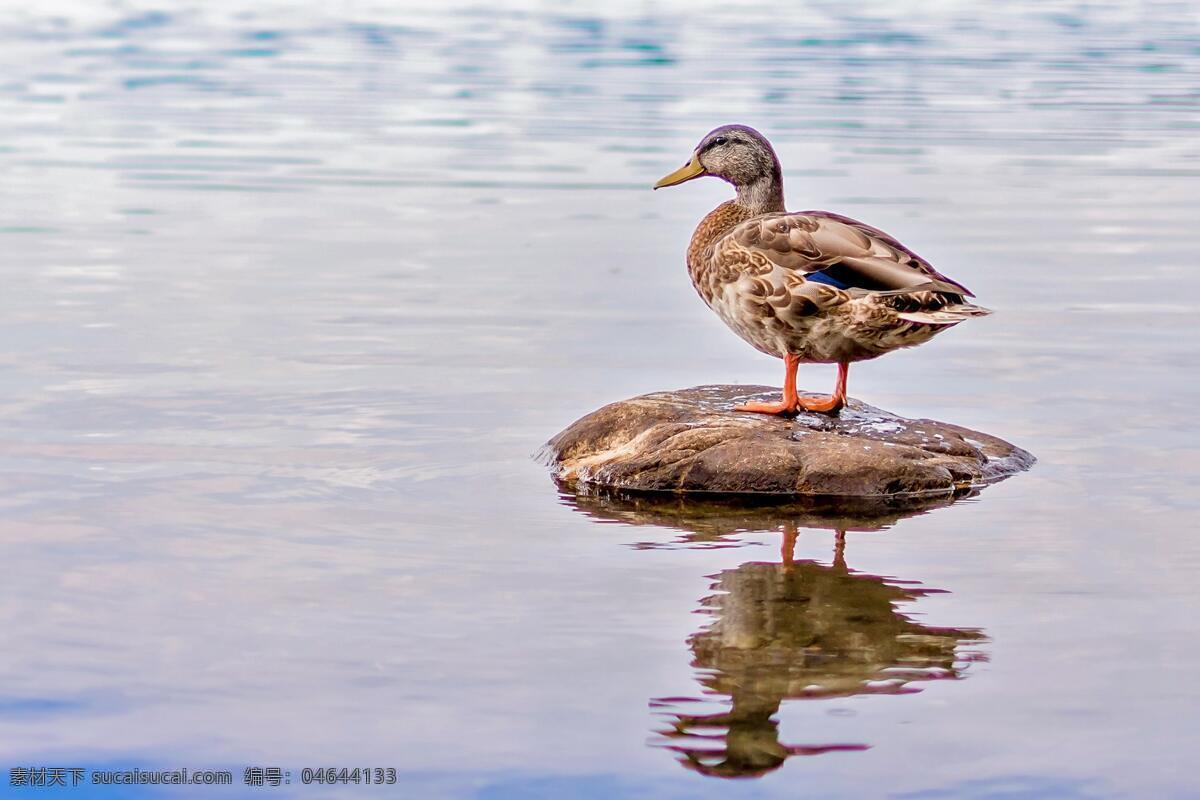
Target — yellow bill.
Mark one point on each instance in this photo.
(692, 169)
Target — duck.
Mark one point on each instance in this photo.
(809, 287)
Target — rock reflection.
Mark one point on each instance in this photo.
(717, 521)
(791, 630)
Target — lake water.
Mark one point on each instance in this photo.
(292, 297)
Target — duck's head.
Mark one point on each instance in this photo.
(740, 155)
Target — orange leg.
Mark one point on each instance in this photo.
(839, 550)
(790, 403)
(787, 547)
(835, 401)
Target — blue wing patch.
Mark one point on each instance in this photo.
(824, 277)
(844, 276)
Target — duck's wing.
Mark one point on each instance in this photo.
(827, 248)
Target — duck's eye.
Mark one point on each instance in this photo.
(720, 140)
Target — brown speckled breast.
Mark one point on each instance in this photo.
(716, 224)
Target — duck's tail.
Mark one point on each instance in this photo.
(946, 315)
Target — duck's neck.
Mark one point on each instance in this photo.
(764, 196)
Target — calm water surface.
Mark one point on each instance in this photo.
(293, 295)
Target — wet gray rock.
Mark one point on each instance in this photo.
(692, 441)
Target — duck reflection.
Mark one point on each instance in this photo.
(795, 629)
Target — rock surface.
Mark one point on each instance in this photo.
(692, 441)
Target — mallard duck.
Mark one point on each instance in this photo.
(806, 286)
